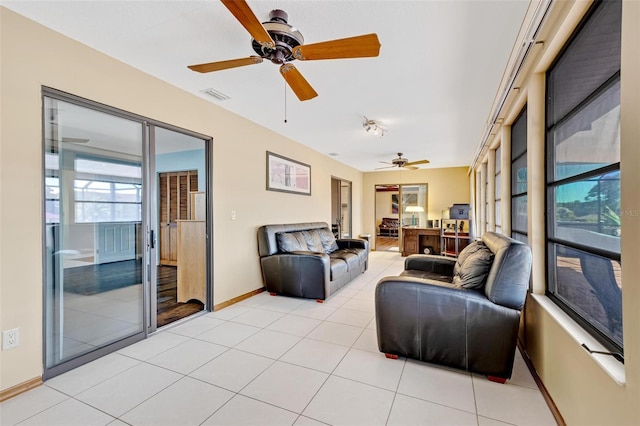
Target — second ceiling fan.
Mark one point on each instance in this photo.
(402, 163)
(281, 43)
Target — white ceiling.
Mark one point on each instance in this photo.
(432, 86)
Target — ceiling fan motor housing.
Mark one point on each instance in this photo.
(285, 36)
(400, 161)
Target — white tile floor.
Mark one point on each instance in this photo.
(278, 361)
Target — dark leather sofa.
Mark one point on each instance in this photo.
(462, 313)
(389, 227)
(306, 260)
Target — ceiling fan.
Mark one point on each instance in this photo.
(402, 163)
(281, 43)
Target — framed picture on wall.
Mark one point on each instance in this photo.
(394, 203)
(287, 175)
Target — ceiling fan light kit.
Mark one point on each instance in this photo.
(374, 127)
(282, 43)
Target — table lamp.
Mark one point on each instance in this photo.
(413, 210)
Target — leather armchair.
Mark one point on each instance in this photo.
(422, 314)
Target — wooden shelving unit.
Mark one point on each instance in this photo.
(454, 235)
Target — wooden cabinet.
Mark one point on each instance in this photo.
(174, 189)
(192, 253)
(416, 240)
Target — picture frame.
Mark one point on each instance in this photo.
(287, 175)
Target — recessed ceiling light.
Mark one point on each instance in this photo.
(216, 94)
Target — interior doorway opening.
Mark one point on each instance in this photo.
(398, 207)
(341, 222)
(181, 222)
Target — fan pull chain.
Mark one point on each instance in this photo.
(285, 102)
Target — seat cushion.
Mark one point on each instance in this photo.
(352, 259)
(338, 267)
(473, 271)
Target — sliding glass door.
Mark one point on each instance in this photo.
(126, 226)
(94, 239)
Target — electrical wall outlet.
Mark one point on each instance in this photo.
(10, 338)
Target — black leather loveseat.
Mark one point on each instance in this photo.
(463, 313)
(306, 260)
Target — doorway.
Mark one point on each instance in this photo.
(341, 222)
(101, 215)
(180, 177)
(399, 206)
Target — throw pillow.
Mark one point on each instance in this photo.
(329, 243)
(291, 241)
(473, 247)
(314, 242)
(475, 268)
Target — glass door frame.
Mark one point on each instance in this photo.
(149, 206)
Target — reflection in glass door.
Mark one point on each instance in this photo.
(94, 248)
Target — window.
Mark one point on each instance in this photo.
(583, 176)
(498, 188)
(519, 217)
(485, 183)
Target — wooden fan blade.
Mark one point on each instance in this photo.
(223, 65)
(243, 13)
(388, 167)
(413, 163)
(410, 167)
(353, 47)
(297, 82)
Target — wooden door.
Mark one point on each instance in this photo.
(175, 204)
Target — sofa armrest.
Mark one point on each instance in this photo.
(352, 243)
(430, 263)
(446, 324)
(302, 274)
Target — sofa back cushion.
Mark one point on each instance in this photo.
(508, 278)
(472, 267)
(314, 242)
(267, 235)
(390, 222)
(291, 241)
(329, 243)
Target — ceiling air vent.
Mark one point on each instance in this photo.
(215, 94)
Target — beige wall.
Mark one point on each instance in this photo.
(446, 186)
(583, 390)
(32, 56)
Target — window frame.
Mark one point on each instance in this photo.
(552, 242)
